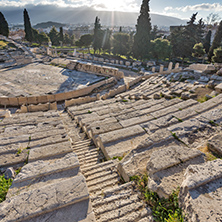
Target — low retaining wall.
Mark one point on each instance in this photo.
(39, 107)
(95, 69)
(18, 101)
(202, 67)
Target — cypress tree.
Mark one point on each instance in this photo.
(207, 41)
(216, 42)
(3, 26)
(98, 35)
(28, 27)
(142, 37)
(61, 34)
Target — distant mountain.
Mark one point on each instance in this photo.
(45, 25)
(85, 15)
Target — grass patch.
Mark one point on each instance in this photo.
(118, 157)
(164, 210)
(125, 100)
(4, 186)
(3, 44)
(89, 111)
(210, 156)
(202, 99)
(180, 120)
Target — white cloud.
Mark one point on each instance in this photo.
(118, 5)
(215, 7)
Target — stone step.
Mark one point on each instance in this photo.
(89, 161)
(101, 180)
(114, 194)
(84, 148)
(136, 215)
(108, 165)
(98, 175)
(39, 173)
(99, 188)
(120, 212)
(32, 138)
(49, 151)
(116, 204)
(87, 153)
(66, 197)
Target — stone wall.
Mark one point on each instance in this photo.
(8, 101)
(16, 54)
(95, 69)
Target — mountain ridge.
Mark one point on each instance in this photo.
(40, 14)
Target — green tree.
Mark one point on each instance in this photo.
(3, 26)
(216, 42)
(54, 36)
(85, 40)
(28, 28)
(61, 34)
(160, 49)
(198, 50)
(142, 37)
(154, 32)
(200, 31)
(207, 41)
(217, 55)
(106, 46)
(43, 38)
(67, 39)
(179, 43)
(72, 40)
(120, 43)
(98, 36)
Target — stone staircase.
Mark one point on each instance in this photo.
(111, 200)
(50, 185)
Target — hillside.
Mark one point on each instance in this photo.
(85, 15)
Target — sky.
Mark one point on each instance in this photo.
(176, 8)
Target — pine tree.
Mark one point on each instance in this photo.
(120, 43)
(107, 41)
(142, 37)
(216, 42)
(217, 55)
(28, 28)
(53, 35)
(3, 26)
(200, 31)
(120, 29)
(207, 41)
(98, 35)
(61, 34)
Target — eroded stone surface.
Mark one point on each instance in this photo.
(166, 168)
(201, 192)
(45, 199)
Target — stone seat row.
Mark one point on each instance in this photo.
(118, 127)
(50, 186)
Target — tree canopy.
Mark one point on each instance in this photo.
(28, 28)
(4, 30)
(142, 37)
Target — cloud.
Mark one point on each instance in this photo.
(216, 7)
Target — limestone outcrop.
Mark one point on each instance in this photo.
(201, 192)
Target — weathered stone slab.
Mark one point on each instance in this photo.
(166, 168)
(201, 192)
(39, 173)
(103, 128)
(42, 200)
(121, 134)
(218, 88)
(184, 130)
(136, 161)
(215, 144)
(135, 120)
(43, 152)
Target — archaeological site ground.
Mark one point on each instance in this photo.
(85, 138)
